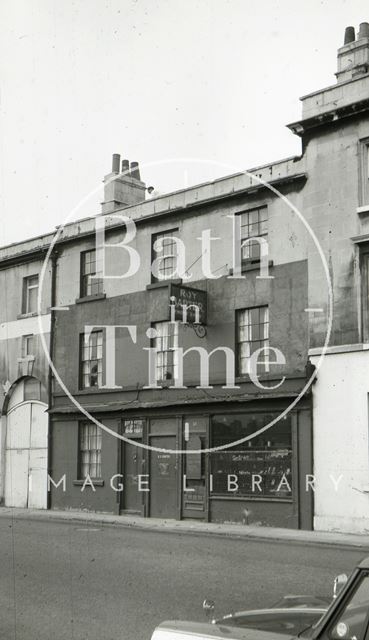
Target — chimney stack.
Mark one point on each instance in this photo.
(349, 35)
(135, 171)
(125, 167)
(122, 189)
(115, 163)
(353, 57)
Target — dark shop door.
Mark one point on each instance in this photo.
(132, 459)
(163, 478)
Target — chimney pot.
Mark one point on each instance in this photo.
(363, 30)
(135, 171)
(125, 167)
(349, 35)
(115, 163)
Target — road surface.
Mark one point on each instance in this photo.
(70, 581)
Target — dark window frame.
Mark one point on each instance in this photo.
(253, 259)
(25, 293)
(364, 171)
(152, 345)
(264, 495)
(85, 278)
(81, 425)
(155, 236)
(364, 292)
(81, 374)
(238, 312)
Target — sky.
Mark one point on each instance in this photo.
(191, 89)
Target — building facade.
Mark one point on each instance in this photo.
(24, 392)
(258, 480)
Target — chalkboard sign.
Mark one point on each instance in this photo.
(274, 467)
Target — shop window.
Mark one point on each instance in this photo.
(91, 366)
(166, 344)
(252, 327)
(254, 224)
(259, 467)
(91, 274)
(30, 294)
(90, 437)
(364, 171)
(365, 293)
(164, 248)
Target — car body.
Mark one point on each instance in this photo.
(345, 617)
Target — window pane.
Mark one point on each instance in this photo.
(267, 457)
(252, 334)
(92, 360)
(164, 343)
(254, 224)
(164, 247)
(90, 440)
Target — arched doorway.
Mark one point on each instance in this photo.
(26, 445)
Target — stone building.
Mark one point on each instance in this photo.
(24, 391)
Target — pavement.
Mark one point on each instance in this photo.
(229, 530)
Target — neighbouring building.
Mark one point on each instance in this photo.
(24, 390)
(264, 257)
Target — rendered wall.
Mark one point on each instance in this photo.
(341, 451)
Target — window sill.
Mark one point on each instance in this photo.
(363, 209)
(97, 296)
(163, 283)
(252, 266)
(248, 498)
(96, 482)
(32, 314)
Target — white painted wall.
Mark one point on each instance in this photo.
(341, 442)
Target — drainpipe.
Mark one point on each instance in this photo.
(54, 264)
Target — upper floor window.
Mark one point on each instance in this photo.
(252, 334)
(30, 293)
(364, 171)
(91, 369)
(166, 344)
(164, 251)
(90, 438)
(91, 274)
(254, 224)
(27, 346)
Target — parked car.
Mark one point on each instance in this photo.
(344, 617)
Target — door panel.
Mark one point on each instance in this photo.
(163, 478)
(16, 478)
(132, 457)
(26, 456)
(39, 426)
(37, 494)
(18, 431)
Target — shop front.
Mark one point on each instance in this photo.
(237, 469)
